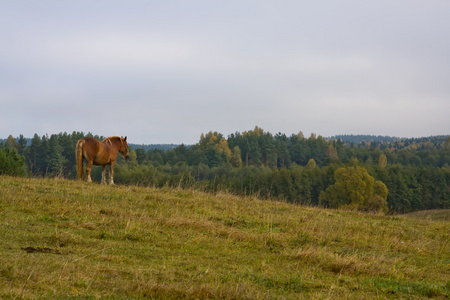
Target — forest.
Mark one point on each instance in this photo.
(368, 173)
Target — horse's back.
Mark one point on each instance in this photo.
(89, 140)
(90, 147)
(96, 151)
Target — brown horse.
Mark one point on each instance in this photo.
(100, 154)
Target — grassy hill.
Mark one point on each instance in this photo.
(433, 214)
(64, 239)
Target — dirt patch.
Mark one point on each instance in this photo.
(41, 250)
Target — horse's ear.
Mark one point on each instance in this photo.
(125, 139)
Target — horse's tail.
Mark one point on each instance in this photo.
(79, 157)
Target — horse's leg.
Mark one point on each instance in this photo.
(111, 172)
(88, 170)
(104, 174)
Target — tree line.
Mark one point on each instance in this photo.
(379, 174)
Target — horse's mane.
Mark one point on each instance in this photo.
(108, 140)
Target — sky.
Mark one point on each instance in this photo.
(168, 71)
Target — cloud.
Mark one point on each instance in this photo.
(168, 71)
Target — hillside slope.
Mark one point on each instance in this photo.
(62, 238)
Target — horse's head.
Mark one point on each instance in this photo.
(124, 147)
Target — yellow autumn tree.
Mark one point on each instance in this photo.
(211, 138)
(222, 147)
(447, 144)
(236, 160)
(332, 153)
(382, 161)
(354, 188)
(215, 147)
(311, 163)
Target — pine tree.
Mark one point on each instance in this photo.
(21, 145)
(11, 143)
(56, 160)
(33, 157)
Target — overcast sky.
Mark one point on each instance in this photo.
(167, 71)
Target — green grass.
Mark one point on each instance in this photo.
(69, 239)
(434, 214)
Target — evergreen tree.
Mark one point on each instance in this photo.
(298, 150)
(11, 143)
(21, 145)
(11, 163)
(55, 165)
(141, 156)
(282, 150)
(33, 157)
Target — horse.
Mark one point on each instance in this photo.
(100, 154)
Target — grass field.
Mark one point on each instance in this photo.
(433, 215)
(69, 239)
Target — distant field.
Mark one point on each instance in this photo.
(69, 239)
(434, 215)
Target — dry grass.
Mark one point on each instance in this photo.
(433, 214)
(64, 239)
